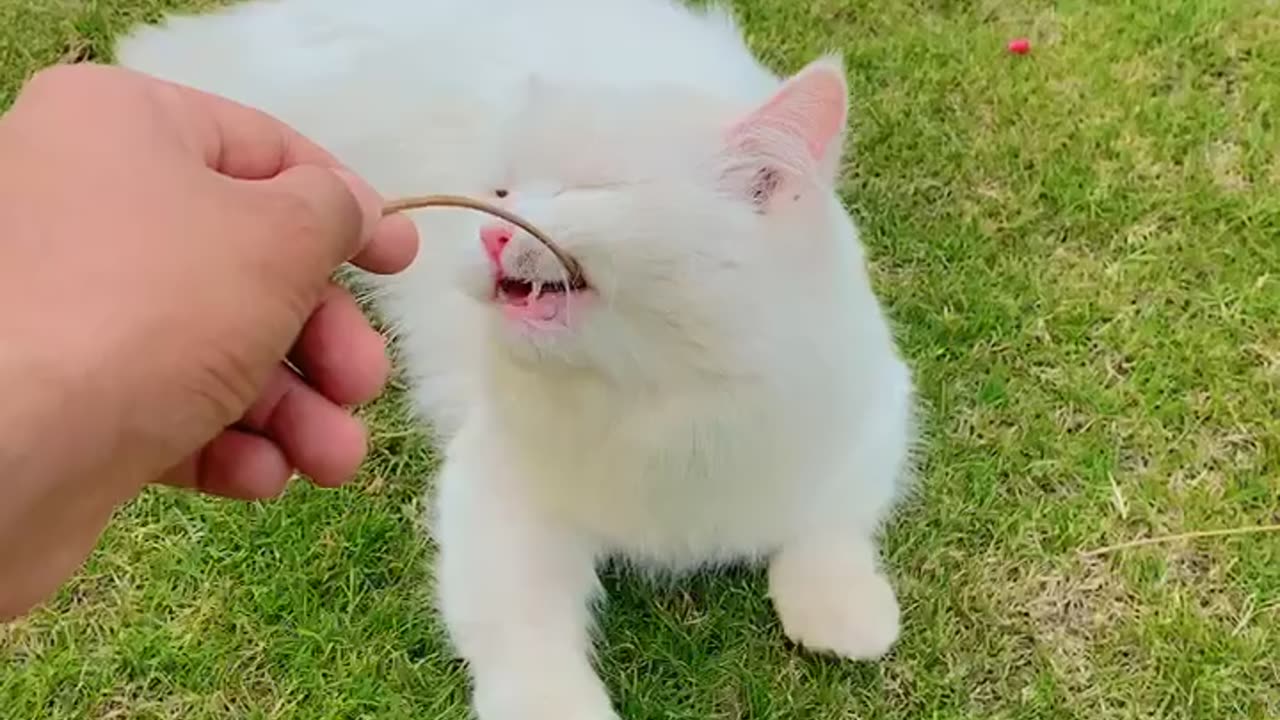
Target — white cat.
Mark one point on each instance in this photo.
(724, 387)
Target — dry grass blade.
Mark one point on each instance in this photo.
(460, 201)
(1249, 530)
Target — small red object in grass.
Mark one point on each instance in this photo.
(1020, 46)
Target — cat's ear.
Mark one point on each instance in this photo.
(795, 137)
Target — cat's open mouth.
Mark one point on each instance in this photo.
(516, 291)
(532, 299)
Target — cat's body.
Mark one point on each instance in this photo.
(726, 388)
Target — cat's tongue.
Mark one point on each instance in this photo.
(543, 307)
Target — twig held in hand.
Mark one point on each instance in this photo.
(460, 201)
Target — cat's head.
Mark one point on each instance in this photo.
(701, 226)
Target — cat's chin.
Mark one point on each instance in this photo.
(546, 310)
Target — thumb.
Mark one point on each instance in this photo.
(319, 219)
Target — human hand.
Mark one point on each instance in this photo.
(162, 252)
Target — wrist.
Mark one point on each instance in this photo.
(52, 505)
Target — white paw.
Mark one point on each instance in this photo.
(834, 602)
(539, 694)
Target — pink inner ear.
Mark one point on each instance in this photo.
(810, 107)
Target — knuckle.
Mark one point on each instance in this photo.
(59, 84)
(73, 81)
(59, 76)
(82, 88)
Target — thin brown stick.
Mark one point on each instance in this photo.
(1249, 530)
(460, 201)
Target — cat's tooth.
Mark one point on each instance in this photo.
(537, 290)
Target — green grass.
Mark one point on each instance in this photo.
(1081, 250)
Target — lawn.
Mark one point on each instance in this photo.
(1081, 250)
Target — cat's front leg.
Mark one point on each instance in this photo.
(831, 596)
(515, 592)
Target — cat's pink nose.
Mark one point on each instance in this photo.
(495, 237)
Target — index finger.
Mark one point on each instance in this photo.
(248, 144)
(242, 142)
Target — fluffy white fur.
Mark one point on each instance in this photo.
(729, 390)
